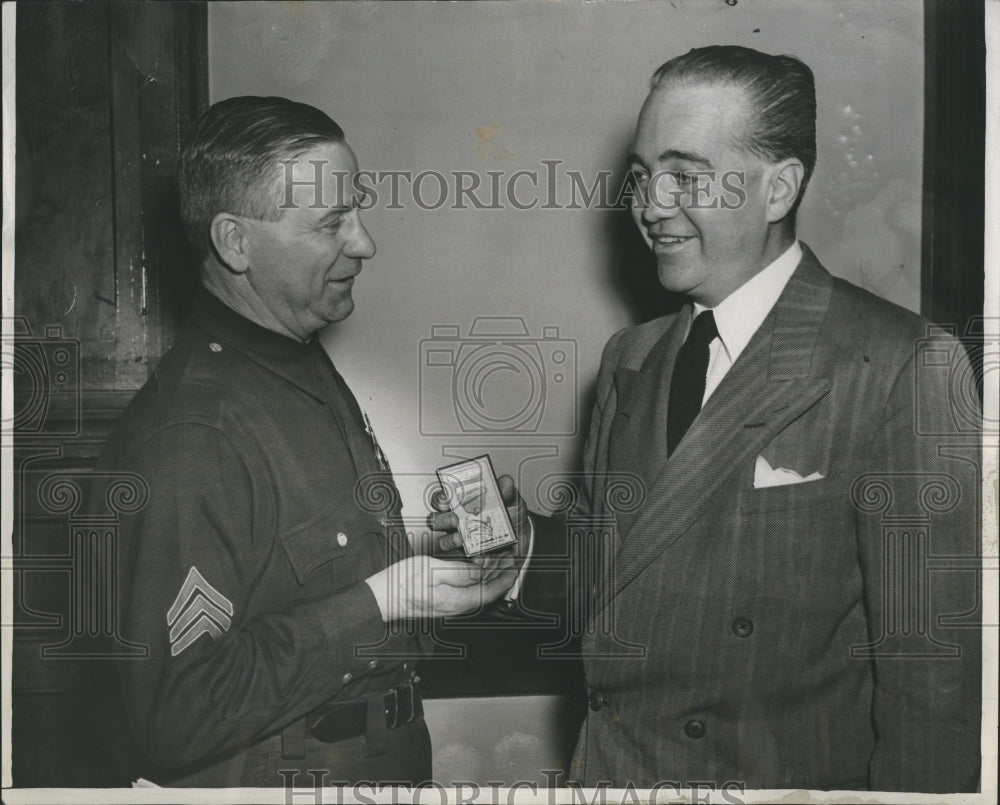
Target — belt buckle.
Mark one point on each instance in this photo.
(393, 708)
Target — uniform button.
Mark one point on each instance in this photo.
(341, 539)
(694, 729)
(743, 627)
(596, 701)
(373, 665)
(215, 347)
(347, 677)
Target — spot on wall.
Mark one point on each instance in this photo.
(487, 148)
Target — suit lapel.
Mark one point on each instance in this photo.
(768, 387)
(638, 442)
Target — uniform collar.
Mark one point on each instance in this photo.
(293, 360)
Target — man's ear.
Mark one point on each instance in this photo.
(231, 241)
(786, 181)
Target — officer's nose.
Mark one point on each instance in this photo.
(360, 243)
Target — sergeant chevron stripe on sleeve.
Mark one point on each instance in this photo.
(198, 609)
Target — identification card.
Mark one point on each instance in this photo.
(473, 495)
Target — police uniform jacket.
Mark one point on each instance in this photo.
(244, 572)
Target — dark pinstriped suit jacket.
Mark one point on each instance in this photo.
(757, 609)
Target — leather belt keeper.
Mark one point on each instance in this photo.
(400, 705)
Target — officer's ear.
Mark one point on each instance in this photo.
(783, 188)
(231, 241)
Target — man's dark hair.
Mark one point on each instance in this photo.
(230, 161)
(781, 91)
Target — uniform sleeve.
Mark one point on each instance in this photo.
(924, 470)
(218, 677)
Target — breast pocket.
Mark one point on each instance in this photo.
(805, 447)
(323, 550)
(792, 496)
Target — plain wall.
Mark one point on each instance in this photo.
(503, 86)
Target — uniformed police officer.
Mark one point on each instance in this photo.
(260, 577)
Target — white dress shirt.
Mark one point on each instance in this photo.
(739, 315)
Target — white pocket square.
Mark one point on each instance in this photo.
(764, 475)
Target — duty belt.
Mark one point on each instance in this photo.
(338, 722)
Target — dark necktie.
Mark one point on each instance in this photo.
(687, 383)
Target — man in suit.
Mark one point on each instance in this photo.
(263, 570)
(768, 618)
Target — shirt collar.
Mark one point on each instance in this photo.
(291, 359)
(739, 315)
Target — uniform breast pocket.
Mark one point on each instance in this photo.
(322, 550)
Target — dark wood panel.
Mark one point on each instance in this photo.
(105, 94)
(151, 107)
(64, 228)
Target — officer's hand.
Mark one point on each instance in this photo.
(427, 587)
(446, 520)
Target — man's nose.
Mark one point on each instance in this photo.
(661, 202)
(360, 243)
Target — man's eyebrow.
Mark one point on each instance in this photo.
(671, 154)
(684, 156)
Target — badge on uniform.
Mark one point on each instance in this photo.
(472, 492)
(198, 609)
(380, 458)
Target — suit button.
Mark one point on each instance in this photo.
(373, 665)
(743, 627)
(341, 539)
(596, 701)
(347, 677)
(694, 729)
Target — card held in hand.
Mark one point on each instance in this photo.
(473, 495)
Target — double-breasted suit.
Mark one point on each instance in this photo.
(791, 636)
